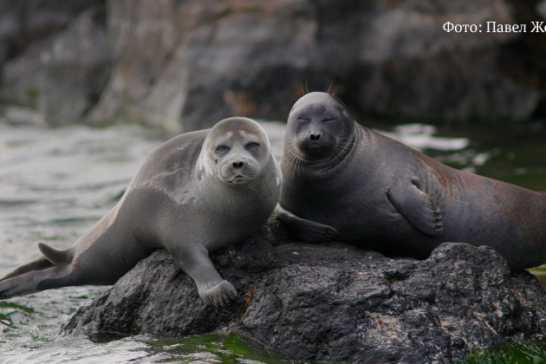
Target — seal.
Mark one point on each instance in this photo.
(198, 192)
(345, 181)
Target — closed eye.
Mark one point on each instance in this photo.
(303, 118)
(222, 149)
(252, 146)
(328, 119)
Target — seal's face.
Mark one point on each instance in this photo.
(237, 149)
(318, 126)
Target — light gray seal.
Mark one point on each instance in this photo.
(198, 192)
(346, 181)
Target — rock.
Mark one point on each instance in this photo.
(208, 60)
(62, 76)
(191, 64)
(413, 69)
(182, 65)
(332, 302)
(25, 21)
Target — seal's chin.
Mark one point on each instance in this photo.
(315, 153)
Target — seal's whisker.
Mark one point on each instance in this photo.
(293, 157)
(334, 94)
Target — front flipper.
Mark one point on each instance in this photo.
(307, 230)
(195, 261)
(417, 207)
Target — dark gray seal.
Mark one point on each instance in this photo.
(198, 192)
(345, 181)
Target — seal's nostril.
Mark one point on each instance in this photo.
(314, 137)
(238, 164)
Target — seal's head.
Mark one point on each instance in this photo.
(235, 150)
(319, 127)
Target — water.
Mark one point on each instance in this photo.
(56, 183)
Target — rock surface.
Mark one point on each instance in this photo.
(184, 65)
(64, 75)
(25, 21)
(332, 302)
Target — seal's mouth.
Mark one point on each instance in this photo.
(237, 180)
(315, 152)
(325, 158)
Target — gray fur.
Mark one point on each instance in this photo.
(199, 192)
(355, 185)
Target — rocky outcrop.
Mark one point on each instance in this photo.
(187, 64)
(25, 21)
(62, 75)
(332, 302)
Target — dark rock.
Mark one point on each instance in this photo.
(333, 302)
(25, 21)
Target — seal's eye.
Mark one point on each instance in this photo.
(222, 149)
(328, 119)
(252, 146)
(303, 118)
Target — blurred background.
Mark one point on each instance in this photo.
(89, 88)
(182, 65)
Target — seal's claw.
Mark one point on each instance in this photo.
(218, 295)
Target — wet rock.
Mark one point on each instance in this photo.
(332, 302)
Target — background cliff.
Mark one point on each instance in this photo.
(184, 64)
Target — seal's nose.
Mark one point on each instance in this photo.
(314, 137)
(238, 165)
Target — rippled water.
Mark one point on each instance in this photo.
(56, 183)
